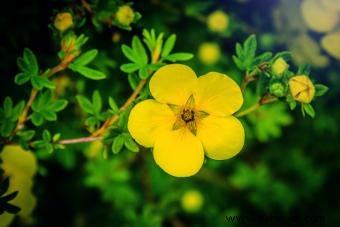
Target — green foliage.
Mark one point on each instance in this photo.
(45, 108)
(5, 205)
(9, 116)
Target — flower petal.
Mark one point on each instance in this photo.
(173, 84)
(222, 137)
(217, 94)
(178, 153)
(147, 118)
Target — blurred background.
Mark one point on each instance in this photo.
(290, 165)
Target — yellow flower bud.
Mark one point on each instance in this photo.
(209, 53)
(63, 21)
(279, 66)
(125, 15)
(302, 88)
(192, 201)
(218, 21)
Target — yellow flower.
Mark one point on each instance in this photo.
(20, 166)
(192, 201)
(209, 53)
(302, 88)
(279, 66)
(125, 15)
(218, 21)
(63, 21)
(190, 116)
(330, 43)
(317, 17)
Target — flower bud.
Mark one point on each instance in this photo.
(125, 15)
(209, 53)
(302, 88)
(192, 201)
(277, 89)
(218, 21)
(279, 66)
(63, 21)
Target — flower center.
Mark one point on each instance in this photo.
(188, 115)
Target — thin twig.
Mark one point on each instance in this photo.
(79, 140)
(263, 101)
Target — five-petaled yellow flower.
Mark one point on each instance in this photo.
(189, 116)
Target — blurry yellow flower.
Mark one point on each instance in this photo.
(94, 149)
(279, 66)
(63, 21)
(20, 166)
(302, 88)
(331, 44)
(192, 201)
(317, 17)
(218, 21)
(331, 5)
(190, 116)
(209, 53)
(125, 15)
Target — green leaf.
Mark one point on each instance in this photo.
(168, 45)
(118, 143)
(85, 104)
(49, 115)
(8, 105)
(304, 69)
(320, 89)
(143, 73)
(37, 82)
(42, 101)
(137, 46)
(130, 67)
(97, 101)
(113, 105)
(47, 83)
(26, 135)
(309, 110)
(31, 61)
(58, 105)
(46, 135)
(238, 62)
(86, 58)
(21, 78)
(37, 119)
(6, 128)
(250, 46)
(133, 80)
(18, 109)
(130, 144)
(87, 72)
(179, 57)
(130, 54)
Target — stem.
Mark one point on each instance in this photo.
(114, 118)
(23, 117)
(263, 101)
(79, 140)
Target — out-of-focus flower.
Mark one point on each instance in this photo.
(20, 166)
(302, 88)
(331, 5)
(63, 21)
(190, 116)
(306, 50)
(317, 17)
(218, 21)
(116, 37)
(279, 66)
(209, 53)
(331, 44)
(94, 149)
(125, 15)
(192, 201)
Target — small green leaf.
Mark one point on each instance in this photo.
(97, 101)
(26, 135)
(130, 67)
(8, 105)
(320, 89)
(117, 143)
(137, 46)
(58, 105)
(179, 57)
(21, 78)
(309, 110)
(168, 45)
(37, 82)
(250, 46)
(37, 119)
(304, 69)
(113, 105)
(49, 115)
(143, 73)
(31, 61)
(238, 63)
(86, 58)
(129, 53)
(87, 72)
(46, 135)
(133, 80)
(85, 104)
(130, 144)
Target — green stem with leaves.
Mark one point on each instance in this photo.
(264, 100)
